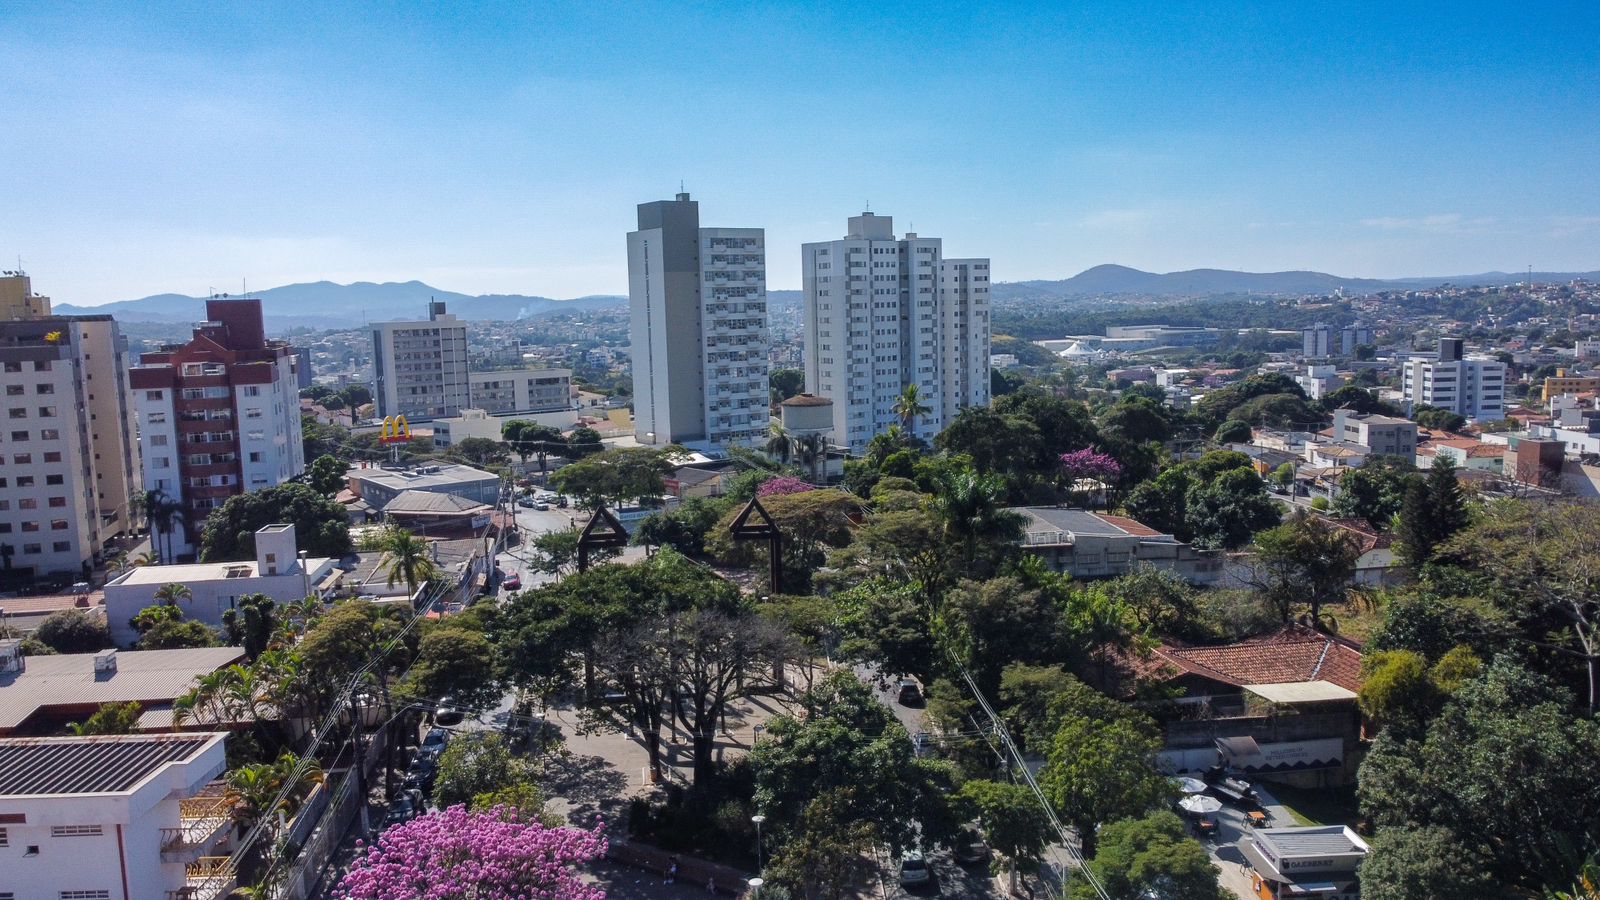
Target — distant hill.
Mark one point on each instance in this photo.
(1111, 280)
(324, 304)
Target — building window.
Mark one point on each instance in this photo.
(86, 895)
(13, 367)
(5, 841)
(47, 412)
(49, 434)
(19, 435)
(24, 481)
(18, 412)
(31, 550)
(75, 831)
(14, 390)
(62, 546)
(55, 457)
(41, 365)
(44, 389)
(154, 395)
(22, 459)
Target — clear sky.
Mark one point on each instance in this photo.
(157, 147)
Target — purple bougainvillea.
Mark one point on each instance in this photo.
(474, 856)
(783, 484)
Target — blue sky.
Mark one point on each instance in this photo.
(159, 147)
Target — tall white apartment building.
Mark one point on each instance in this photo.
(420, 368)
(503, 391)
(218, 416)
(698, 303)
(69, 455)
(1469, 386)
(882, 314)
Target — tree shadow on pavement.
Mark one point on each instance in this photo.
(587, 785)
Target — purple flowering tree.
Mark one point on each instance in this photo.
(783, 484)
(1084, 471)
(486, 855)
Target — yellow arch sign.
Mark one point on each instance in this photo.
(395, 429)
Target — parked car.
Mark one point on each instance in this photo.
(541, 505)
(970, 849)
(525, 502)
(436, 739)
(513, 582)
(922, 744)
(447, 714)
(406, 807)
(909, 694)
(914, 869)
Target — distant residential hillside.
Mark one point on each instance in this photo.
(324, 304)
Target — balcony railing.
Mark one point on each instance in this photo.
(200, 820)
(207, 878)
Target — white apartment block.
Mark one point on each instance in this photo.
(116, 817)
(69, 463)
(882, 314)
(698, 304)
(420, 368)
(218, 416)
(1473, 387)
(521, 390)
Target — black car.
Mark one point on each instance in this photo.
(403, 809)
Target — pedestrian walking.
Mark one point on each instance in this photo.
(711, 885)
(672, 871)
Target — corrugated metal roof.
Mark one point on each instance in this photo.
(91, 765)
(70, 680)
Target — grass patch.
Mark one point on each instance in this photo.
(1318, 806)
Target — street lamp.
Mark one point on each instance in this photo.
(755, 886)
(758, 819)
(305, 574)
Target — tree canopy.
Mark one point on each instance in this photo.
(321, 526)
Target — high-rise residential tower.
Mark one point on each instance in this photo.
(420, 368)
(69, 458)
(883, 314)
(698, 303)
(218, 416)
(1471, 386)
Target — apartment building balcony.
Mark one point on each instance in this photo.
(202, 823)
(207, 878)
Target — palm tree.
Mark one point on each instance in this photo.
(972, 507)
(170, 594)
(162, 512)
(811, 450)
(143, 559)
(408, 559)
(909, 406)
(780, 443)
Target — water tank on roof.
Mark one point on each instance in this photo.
(805, 413)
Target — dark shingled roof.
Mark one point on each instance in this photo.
(91, 765)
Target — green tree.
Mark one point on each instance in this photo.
(831, 853)
(989, 624)
(849, 745)
(1505, 767)
(556, 553)
(1305, 560)
(683, 529)
(1357, 399)
(1234, 431)
(326, 474)
(582, 442)
(885, 622)
(1137, 419)
(1005, 445)
(1278, 411)
(1101, 771)
(1151, 858)
(455, 661)
(972, 508)
(1375, 492)
(322, 527)
(786, 383)
(1426, 863)
(1436, 419)
(1218, 406)
(73, 631)
(406, 559)
(1433, 511)
(476, 451)
(1012, 823)
(172, 593)
(531, 438)
(110, 718)
(1225, 511)
(613, 477)
(478, 763)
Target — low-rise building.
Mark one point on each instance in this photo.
(505, 391)
(1087, 544)
(1317, 861)
(278, 571)
(1564, 382)
(41, 694)
(114, 816)
(378, 485)
(478, 423)
(1384, 435)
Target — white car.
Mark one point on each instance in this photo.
(914, 869)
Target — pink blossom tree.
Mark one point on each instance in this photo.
(783, 484)
(488, 855)
(1082, 468)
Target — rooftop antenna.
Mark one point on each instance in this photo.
(680, 185)
(869, 206)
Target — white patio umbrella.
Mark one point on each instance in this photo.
(1190, 785)
(1199, 804)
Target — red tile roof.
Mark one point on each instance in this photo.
(1136, 528)
(1293, 654)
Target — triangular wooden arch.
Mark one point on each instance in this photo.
(603, 531)
(743, 530)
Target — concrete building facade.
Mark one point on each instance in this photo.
(1386, 435)
(1469, 386)
(521, 390)
(882, 314)
(114, 816)
(420, 368)
(69, 454)
(698, 322)
(218, 416)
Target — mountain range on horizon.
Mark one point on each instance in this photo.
(325, 304)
